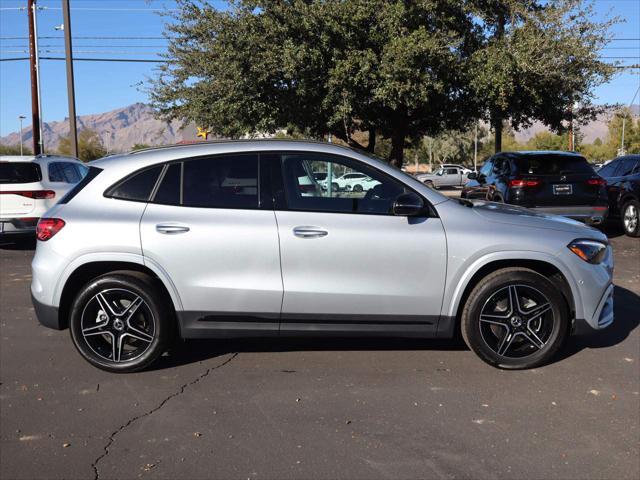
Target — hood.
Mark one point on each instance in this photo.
(513, 215)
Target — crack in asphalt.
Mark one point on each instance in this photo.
(180, 391)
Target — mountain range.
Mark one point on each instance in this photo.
(122, 128)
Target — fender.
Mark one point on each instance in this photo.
(458, 285)
(117, 257)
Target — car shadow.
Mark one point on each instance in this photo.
(191, 351)
(184, 352)
(626, 319)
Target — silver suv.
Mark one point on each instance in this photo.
(239, 239)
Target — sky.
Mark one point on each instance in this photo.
(104, 86)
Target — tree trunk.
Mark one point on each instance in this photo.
(396, 156)
(497, 130)
(371, 146)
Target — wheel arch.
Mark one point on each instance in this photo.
(557, 274)
(83, 272)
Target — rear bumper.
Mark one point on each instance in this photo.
(47, 315)
(591, 214)
(18, 225)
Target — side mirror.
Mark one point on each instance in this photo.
(408, 205)
(472, 176)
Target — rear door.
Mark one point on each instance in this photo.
(16, 180)
(563, 179)
(206, 228)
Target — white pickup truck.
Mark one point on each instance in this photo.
(445, 176)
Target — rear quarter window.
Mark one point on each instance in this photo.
(89, 174)
(136, 187)
(19, 172)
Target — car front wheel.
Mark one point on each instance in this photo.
(515, 318)
(120, 322)
(631, 218)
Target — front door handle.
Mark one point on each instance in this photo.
(309, 232)
(170, 229)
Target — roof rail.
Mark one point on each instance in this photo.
(219, 141)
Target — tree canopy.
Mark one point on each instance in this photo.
(89, 145)
(402, 69)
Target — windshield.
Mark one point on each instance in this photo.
(551, 165)
(19, 172)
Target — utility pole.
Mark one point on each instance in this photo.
(71, 94)
(20, 119)
(34, 63)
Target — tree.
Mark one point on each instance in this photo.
(89, 145)
(326, 67)
(139, 146)
(539, 60)
(14, 150)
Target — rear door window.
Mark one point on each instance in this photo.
(137, 187)
(169, 191)
(552, 165)
(19, 172)
(228, 181)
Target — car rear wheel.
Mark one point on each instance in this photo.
(515, 318)
(631, 218)
(357, 188)
(120, 322)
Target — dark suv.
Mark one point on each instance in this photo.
(623, 185)
(562, 183)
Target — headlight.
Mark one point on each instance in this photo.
(592, 251)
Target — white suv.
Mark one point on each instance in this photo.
(29, 186)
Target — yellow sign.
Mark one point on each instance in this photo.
(203, 132)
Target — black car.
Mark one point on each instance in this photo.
(623, 185)
(562, 183)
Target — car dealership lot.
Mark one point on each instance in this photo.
(318, 408)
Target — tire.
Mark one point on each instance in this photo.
(335, 187)
(515, 338)
(631, 218)
(430, 184)
(357, 188)
(121, 322)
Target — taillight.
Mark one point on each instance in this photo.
(596, 181)
(35, 194)
(517, 182)
(48, 227)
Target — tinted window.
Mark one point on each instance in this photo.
(65, 172)
(609, 169)
(628, 166)
(19, 172)
(137, 187)
(367, 191)
(230, 181)
(169, 190)
(451, 171)
(551, 164)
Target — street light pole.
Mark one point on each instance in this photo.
(624, 121)
(20, 119)
(71, 94)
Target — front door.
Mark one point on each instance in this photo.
(204, 227)
(348, 263)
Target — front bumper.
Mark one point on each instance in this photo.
(590, 214)
(602, 317)
(47, 315)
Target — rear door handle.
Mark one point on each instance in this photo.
(170, 229)
(309, 232)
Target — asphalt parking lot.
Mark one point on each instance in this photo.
(318, 408)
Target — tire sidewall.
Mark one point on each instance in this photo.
(484, 290)
(153, 301)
